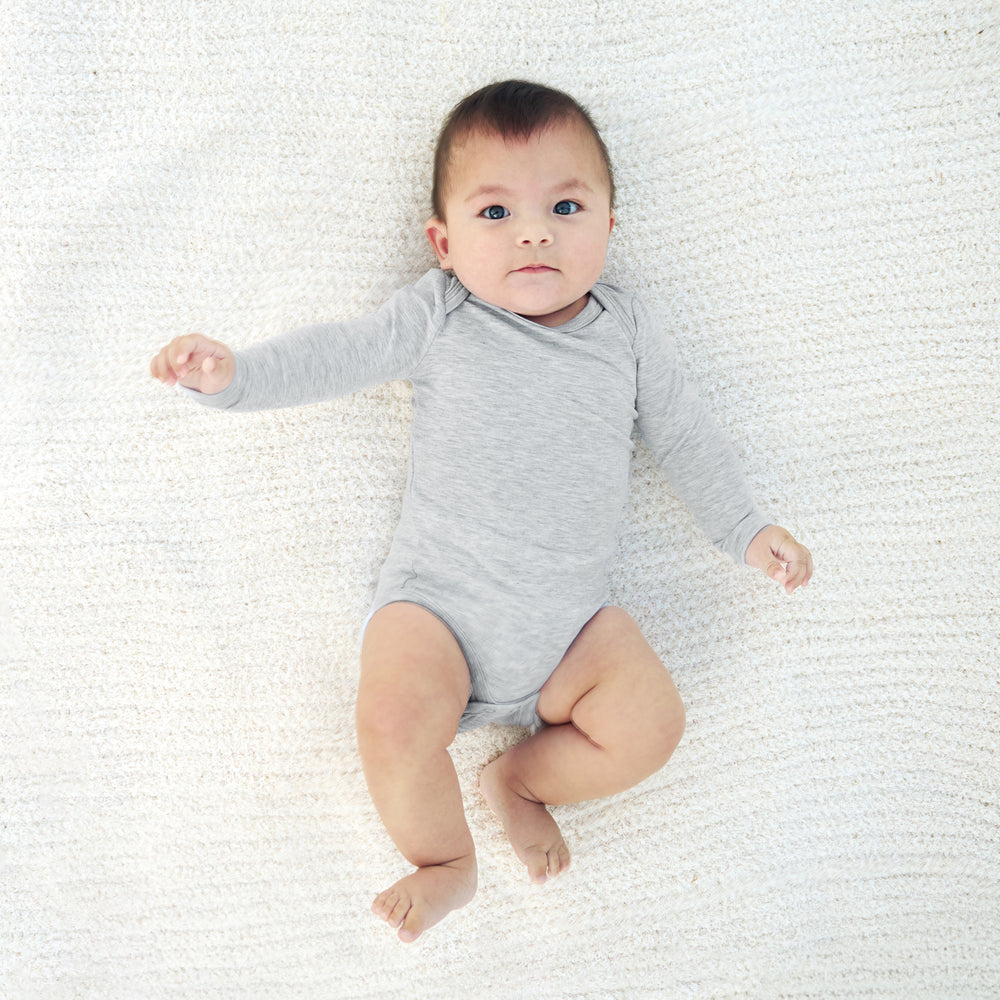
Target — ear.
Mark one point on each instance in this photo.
(437, 233)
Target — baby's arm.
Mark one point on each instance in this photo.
(196, 363)
(313, 364)
(781, 557)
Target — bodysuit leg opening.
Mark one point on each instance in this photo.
(428, 607)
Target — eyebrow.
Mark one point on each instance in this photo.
(574, 184)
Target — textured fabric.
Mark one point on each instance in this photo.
(807, 195)
(519, 461)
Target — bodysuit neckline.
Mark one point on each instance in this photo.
(583, 318)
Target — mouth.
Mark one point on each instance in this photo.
(535, 269)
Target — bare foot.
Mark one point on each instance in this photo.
(529, 826)
(422, 899)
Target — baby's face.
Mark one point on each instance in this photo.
(527, 223)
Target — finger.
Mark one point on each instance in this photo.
(184, 361)
(799, 573)
(162, 369)
(806, 562)
(807, 569)
(172, 368)
(776, 571)
(186, 352)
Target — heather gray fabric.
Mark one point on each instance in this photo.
(519, 461)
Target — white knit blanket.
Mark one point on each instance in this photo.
(809, 197)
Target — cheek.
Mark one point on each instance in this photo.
(476, 263)
(479, 255)
(595, 250)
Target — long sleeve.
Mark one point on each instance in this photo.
(318, 363)
(689, 444)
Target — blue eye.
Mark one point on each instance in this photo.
(495, 212)
(566, 208)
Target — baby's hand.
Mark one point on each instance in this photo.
(783, 559)
(196, 363)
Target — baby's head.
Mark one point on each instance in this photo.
(523, 196)
(514, 110)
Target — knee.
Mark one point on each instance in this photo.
(390, 724)
(657, 731)
(666, 731)
(383, 721)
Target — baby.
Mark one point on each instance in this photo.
(528, 376)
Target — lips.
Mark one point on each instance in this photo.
(535, 269)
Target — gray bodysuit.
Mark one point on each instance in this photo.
(519, 462)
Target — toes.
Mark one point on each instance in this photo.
(392, 907)
(537, 862)
(400, 911)
(397, 910)
(381, 905)
(557, 860)
(411, 928)
(561, 860)
(544, 864)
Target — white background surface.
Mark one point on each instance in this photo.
(808, 195)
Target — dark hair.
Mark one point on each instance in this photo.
(513, 109)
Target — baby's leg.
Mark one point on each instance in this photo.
(414, 688)
(614, 718)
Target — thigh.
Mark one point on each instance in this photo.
(413, 673)
(612, 685)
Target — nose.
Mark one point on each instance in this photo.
(534, 231)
